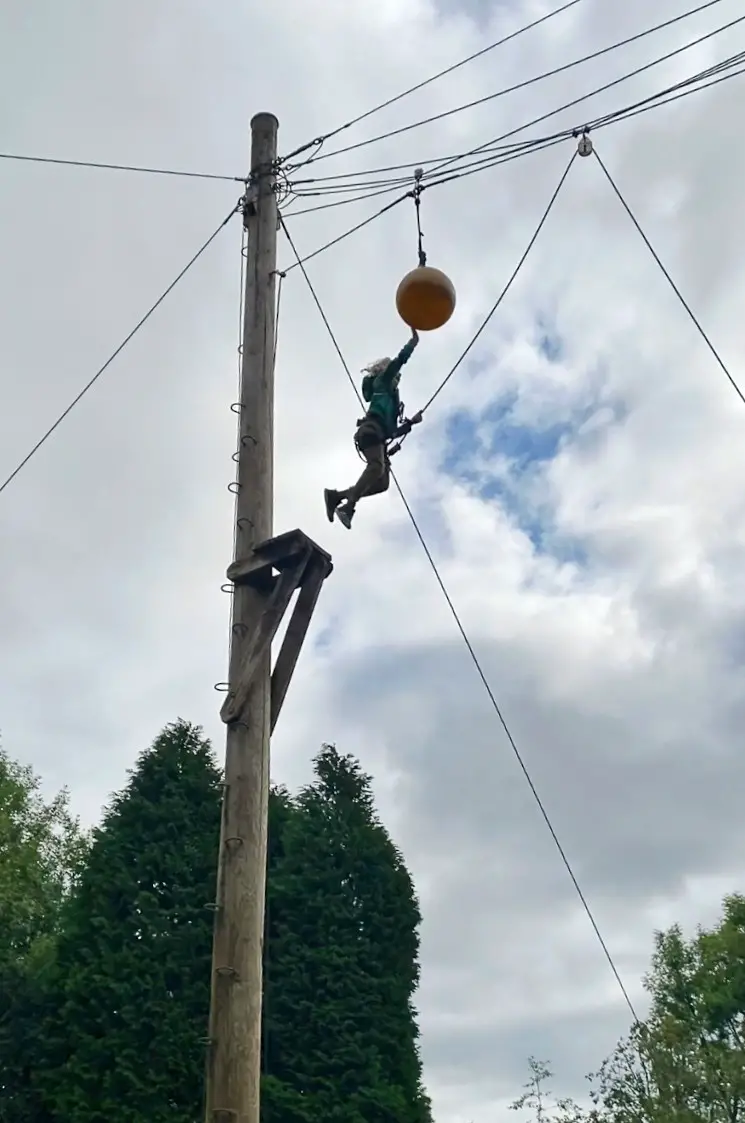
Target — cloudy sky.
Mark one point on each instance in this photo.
(578, 481)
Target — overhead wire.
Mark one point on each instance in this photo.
(120, 167)
(593, 93)
(519, 85)
(592, 125)
(329, 179)
(325, 184)
(482, 166)
(669, 279)
(540, 144)
(635, 111)
(680, 89)
(428, 81)
(140, 323)
(322, 188)
(352, 230)
(505, 153)
(471, 650)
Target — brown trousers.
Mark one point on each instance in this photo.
(376, 476)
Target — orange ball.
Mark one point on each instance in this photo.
(425, 299)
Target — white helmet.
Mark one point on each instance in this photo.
(377, 367)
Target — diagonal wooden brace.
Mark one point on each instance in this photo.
(289, 652)
(302, 565)
(262, 636)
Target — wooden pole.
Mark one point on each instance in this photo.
(234, 1054)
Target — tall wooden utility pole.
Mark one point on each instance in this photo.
(255, 695)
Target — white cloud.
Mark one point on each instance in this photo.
(618, 662)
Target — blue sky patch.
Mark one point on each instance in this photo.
(550, 342)
(519, 455)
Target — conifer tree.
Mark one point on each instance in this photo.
(344, 956)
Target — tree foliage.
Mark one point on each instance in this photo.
(538, 1098)
(110, 1025)
(41, 853)
(341, 1036)
(132, 970)
(686, 1061)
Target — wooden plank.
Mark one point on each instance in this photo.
(260, 640)
(283, 545)
(285, 549)
(289, 544)
(315, 575)
(275, 553)
(253, 570)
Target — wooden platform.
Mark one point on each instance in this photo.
(300, 565)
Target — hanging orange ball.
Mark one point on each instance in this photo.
(425, 299)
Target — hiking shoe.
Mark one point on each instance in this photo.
(331, 499)
(345, 515)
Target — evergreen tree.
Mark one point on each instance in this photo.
(132, 971)
(117, 990)
(343, 958)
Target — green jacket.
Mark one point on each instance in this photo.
(381, 391)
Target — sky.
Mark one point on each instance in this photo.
(578, 480)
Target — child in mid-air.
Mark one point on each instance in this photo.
(383, 422)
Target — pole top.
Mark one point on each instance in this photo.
(265, 120)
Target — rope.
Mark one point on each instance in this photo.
(507, 287)
(420, 249)
(417, 207)
(119, 349)
(474, 657)
(670, 281)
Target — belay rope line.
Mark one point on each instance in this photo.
(584, 148)
(417, 193)
(459, 624)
